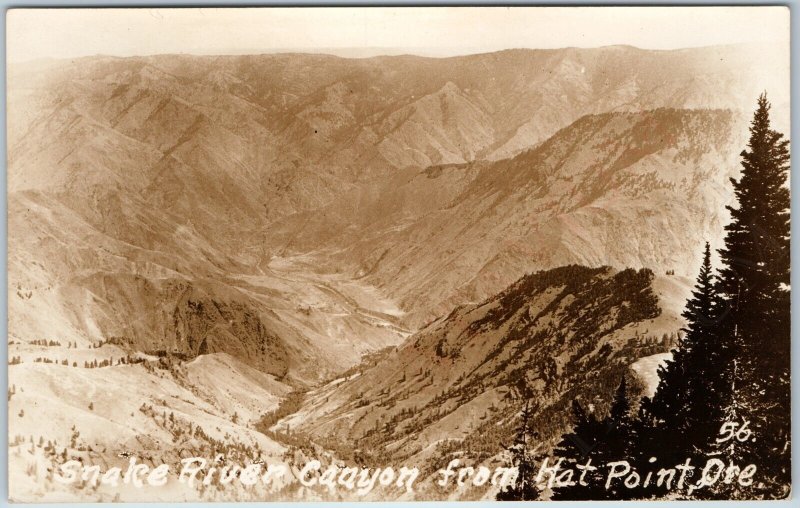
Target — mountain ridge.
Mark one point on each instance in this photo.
(197, 167)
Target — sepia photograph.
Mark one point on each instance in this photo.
(348, 254)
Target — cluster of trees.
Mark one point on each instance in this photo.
(125, 360)
(45, 342)
(729, 373)
(94, 364)
(40, 359)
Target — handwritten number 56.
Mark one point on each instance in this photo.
(728, 431)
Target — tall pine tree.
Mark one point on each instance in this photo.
(524, 459)
(755, 282)
(686, 411)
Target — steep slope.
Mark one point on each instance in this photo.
(561, 334)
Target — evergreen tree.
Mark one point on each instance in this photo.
(686, 411)
(755, 282)
(577, 448)
(524, 459)
(697, 392)
(602, 442)
(620, 441)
